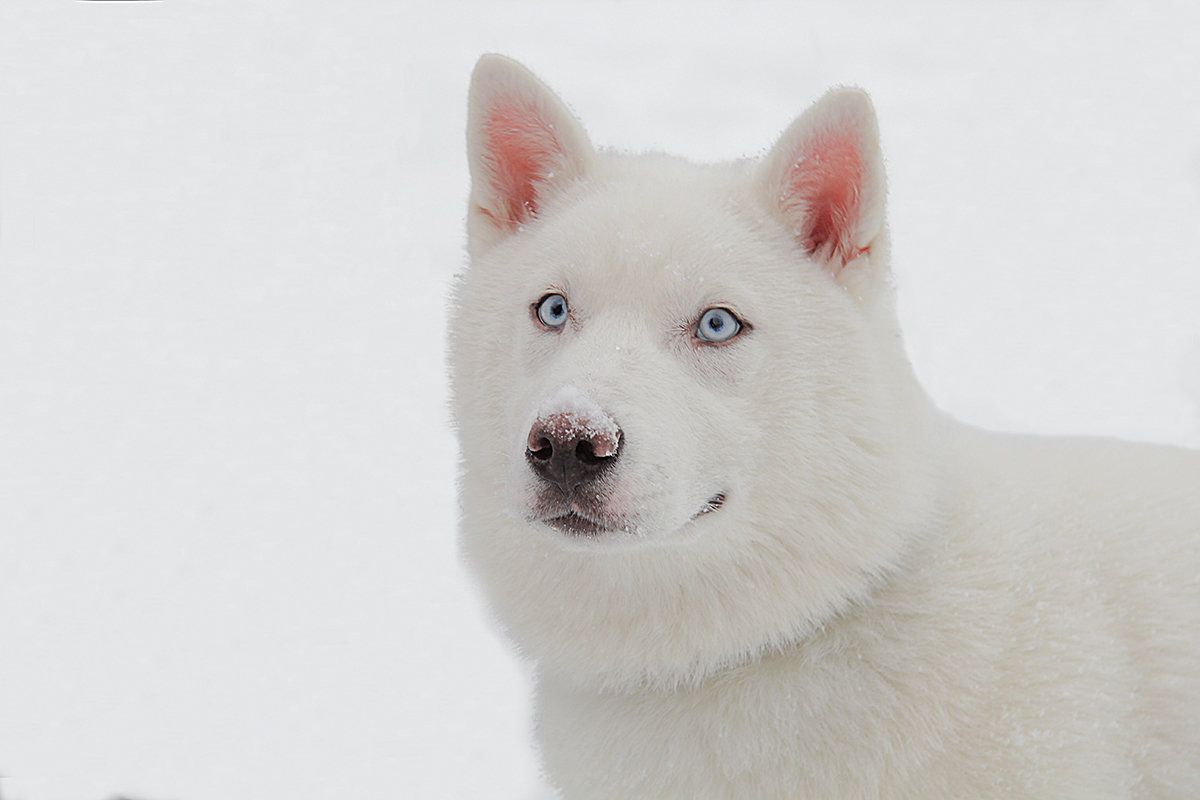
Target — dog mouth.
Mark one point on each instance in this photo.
(575, 523)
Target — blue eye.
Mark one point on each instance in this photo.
(552, 310)
(718, 325)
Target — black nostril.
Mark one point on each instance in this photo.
(542, 451)
(585, 452)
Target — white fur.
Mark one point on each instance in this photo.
(889, 603)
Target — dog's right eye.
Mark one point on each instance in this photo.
(552, 311)
(718, 325)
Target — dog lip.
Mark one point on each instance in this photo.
(575, 523)
(578, 524)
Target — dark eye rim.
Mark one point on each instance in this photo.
(743, 327)
(536, 306)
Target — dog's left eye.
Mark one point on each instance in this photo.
(718, 325)
(552, 310)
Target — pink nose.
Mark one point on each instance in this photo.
(570, 451)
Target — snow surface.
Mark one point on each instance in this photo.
(227, 231)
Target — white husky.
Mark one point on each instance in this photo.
(706, 496)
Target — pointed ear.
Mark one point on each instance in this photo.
(523, 144)
(825, 177)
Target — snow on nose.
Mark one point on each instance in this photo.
(572, 415)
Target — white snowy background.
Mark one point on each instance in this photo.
(227, 232)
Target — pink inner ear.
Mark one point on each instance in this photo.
(823, 190)
(521, 150)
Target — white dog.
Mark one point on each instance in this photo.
(706, 496)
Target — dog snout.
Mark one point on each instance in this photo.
(570, 451)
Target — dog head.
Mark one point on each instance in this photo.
(676, 386)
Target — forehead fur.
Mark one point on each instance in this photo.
(653, 222)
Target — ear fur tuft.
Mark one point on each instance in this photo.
(826, 179)
(523, 145)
